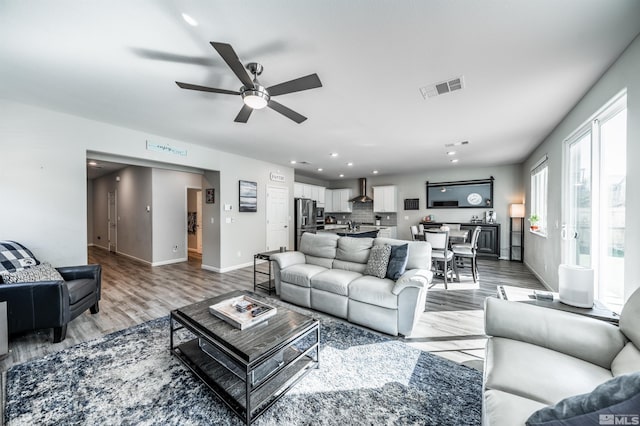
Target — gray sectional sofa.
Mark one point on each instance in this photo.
(536, 357)
(326, 274)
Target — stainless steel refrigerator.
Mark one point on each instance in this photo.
(305, 215)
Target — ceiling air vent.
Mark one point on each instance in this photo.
(442, 87)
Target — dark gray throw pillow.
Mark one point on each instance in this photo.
(398, 261)
(378, 261)
(616, 398)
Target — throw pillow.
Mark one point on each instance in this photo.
(15, 257)
(42, 272)
(378, 261)
(618, 396)
(398, 261)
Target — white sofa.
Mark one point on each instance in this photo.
(537, 356)
(327, 275)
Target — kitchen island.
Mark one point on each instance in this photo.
(362, 231)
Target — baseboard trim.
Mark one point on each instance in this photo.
(170, 261)
(133, 257)
(544, 283)
(228, 268)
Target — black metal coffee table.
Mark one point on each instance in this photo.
(249, 369)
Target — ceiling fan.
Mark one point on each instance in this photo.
(254, 95)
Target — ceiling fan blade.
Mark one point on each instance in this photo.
(206, 89)
(244, 114)
(158, 55)
(289, 113)
(310, 81)
(229, 55)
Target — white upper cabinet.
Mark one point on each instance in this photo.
(314, 192)
(385, 199)
(340, 201)
(328, 200)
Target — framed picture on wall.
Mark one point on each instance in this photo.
(210, 197)
(248, 196)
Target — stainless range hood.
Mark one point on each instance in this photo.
(362, 198)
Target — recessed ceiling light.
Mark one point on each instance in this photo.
(292, 161)
(451, 153)
(349, 164)
(341, 175)
(375, 172)
(455, 160)
(93, 163)
(319, 169)
(334, 154)
(189, 20)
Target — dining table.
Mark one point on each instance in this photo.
(456, 236)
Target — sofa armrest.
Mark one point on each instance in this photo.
(32, 306)
(288, 258)
(93, 272)
(419, 278)
(582, 337)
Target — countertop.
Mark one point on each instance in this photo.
(362, 229)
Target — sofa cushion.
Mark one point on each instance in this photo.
(397, 261)
(334, 281)
(323, 244)
(419, 252)
(15, 257)
(620, 395)
(354, 249)
(630, 318)
(503, 408)
(524, 369)
(42, 272)
(300, 274)
(349, 266)
(378, 261)
(374, 291)
(79, 289)
(627, 361)
(325, 262)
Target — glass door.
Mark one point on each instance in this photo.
(594, 200)
(577, 229)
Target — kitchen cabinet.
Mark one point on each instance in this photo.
(314, 192)
(385, 199)
(328, 200)
(340, 201)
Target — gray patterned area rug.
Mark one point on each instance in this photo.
(129, 377)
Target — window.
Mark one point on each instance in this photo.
(539, 179)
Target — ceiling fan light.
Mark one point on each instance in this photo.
(256, 98)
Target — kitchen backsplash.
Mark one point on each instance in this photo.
(363, 213)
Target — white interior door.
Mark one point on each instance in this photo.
(277, 217)
(199, 221)
(112, 221)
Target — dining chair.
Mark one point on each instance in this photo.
(414, 232)
(468, 251)
(421, 229)
(440, 253)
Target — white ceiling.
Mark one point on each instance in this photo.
(525, 64)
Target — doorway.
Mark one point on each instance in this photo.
(277, 217)
(194, 222)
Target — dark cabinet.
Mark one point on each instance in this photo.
(488, 241)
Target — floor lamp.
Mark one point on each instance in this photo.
(516, 228)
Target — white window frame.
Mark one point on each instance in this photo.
(540, 194)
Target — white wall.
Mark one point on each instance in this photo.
(46, 181)
(507, 189)
(543, 255)
(169, 207)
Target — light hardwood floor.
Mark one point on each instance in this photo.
(133, 292)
